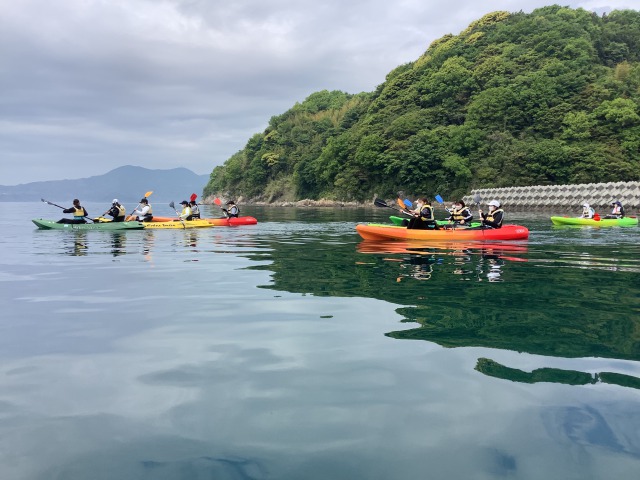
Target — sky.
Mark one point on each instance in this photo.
(87, 86)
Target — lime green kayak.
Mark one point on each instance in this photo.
(108, 226)
(398, 221)
(603, 222)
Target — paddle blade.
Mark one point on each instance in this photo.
(172, 205)
(439, 199)
(408, 203)
(148, 194)
(193, 197)
(400, 203)
(380, 203)
(477, 199)
(217, 201)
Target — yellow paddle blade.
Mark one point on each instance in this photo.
(401, 204)
(148, 193)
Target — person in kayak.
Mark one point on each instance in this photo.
(195, 210)
(232, 210)
(186, 211)
(144, 214)
(587, 211)
(423, 217)
(79, 213)
(494, 218)
(117, 211)
(460, 213)
(617, 210)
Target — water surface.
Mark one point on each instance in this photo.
(293, 349)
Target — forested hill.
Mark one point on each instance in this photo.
(550, 97)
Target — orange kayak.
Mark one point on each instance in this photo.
(392, 232)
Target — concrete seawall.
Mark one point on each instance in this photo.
(546, 197)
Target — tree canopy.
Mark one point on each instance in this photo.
(550, 97)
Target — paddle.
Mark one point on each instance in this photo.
(55, 205)
(381, 203)
(403, 206)
(146, 195)
(173, 205)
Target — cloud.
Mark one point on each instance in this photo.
(90, 85)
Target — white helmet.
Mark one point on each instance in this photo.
(494, 203)
(115, 200)
(585, 205)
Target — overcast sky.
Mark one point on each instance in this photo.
(89, 85)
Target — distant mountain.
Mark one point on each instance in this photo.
(127, 183)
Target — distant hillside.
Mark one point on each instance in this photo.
(126, 183)
(550, 97)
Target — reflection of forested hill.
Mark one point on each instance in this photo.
(548, 97)
(475, 297)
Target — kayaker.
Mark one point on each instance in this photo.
(587, 211)
(423, 217)
(117, 211)
(494, 218)
(232, 210)
(195, 210)
(186, 211)
(144, 214)
(79, 213)
(460, 213)
(617, 210)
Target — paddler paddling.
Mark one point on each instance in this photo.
(79, 213)
(460, 214)
(423, 217)
(117, 211)
(617, 210)
(587, 211)
(144, 214)
(232, 210)
(494, 218)
(186, 211)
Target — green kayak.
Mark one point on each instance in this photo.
(398, 221)
(108, 226)
(603, 222)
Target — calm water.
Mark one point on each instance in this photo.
(294, 350)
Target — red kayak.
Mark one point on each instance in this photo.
(392, 232)
(218, 222)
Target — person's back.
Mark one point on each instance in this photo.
(117, 211)
(79, 213)
(195, 210)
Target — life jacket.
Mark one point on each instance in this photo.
(78, 212)
(457, 215)
(186, 211)
(236, 213)
(121, 211)
(426, 213)
(195, 211)
(150, 211)
(491, 214)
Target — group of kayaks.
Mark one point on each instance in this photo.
(158, 223)
(473, 231)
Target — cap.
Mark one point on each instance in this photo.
(494, 203)
(115, 200)
(586, 205)
(184, 202)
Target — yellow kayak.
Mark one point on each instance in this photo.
(178, 225)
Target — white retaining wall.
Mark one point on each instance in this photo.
(598, 195)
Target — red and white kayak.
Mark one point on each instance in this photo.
(391, 232)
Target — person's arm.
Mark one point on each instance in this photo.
(185, 213)
(467, 215)
(69, 210)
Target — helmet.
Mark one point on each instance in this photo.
(585, 205)
(115, 200)
(494, 203)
